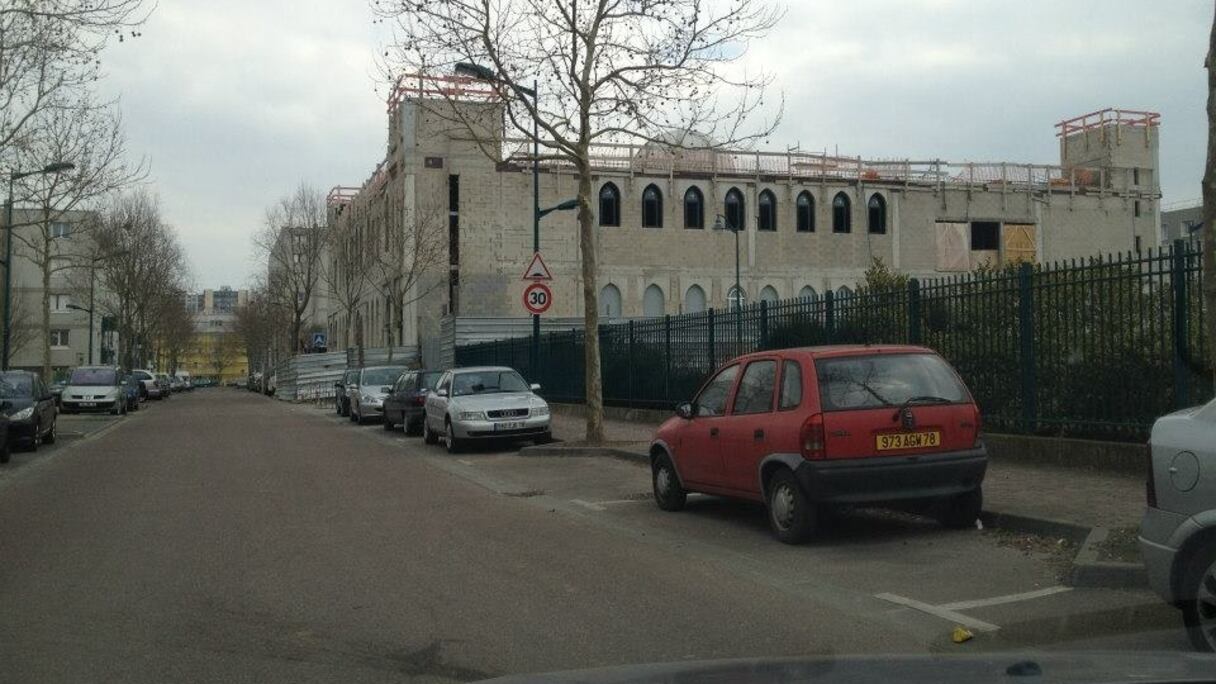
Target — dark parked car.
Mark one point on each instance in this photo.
(404, 405)
(5, 452)
(133, 386)
(341, 391)
(30, 408)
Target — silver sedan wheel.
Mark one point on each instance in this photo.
(1205, 606)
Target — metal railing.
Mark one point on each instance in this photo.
(1096, 348)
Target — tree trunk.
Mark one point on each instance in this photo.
(388, 330)
(359, 338)
(591, 314)
(1209, 211)
(46, 317)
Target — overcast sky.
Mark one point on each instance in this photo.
(234, 102)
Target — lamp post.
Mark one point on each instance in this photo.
(8, 250)
(92, 287)
(720, 223)
(487, 74)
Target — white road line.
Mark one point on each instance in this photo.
(588, 504)
(1008, 598)
(938, 611)
(465, 461)
(622, 501)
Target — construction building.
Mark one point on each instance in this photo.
(809, 222)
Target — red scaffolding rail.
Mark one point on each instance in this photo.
(1107, 117)
(440, 87)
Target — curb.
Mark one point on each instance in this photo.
(1043, 527)
(1088, 571)
(559, 451)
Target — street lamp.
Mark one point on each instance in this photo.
(55, 167)
(486, 74)
(721, 223)
(92, 287)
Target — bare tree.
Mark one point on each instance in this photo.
(344, 276)
(145, 261)
(415, 242)
(1209, 208)
(223, 351)
(172, 327)
(257, 324)
(49, 52)
(606, 70)
(294, 242)
(25, 329)
(91, 137)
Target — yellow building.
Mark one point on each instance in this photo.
(216, 355)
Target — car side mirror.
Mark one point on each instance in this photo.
(386, 389)
(685, 410)
(441, 392)
(535, 387)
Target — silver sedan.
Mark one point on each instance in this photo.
(482, 403)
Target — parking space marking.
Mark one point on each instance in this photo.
(939, 611)
(588, 504)
(621, 501)
(465, 461)
(1008, 598)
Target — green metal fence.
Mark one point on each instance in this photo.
(1095, 348)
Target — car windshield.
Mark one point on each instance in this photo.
(16, 385)
(381, 376)
(93, 376)
(486, 382)
(859, 382)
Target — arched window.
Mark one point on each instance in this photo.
(732, 209)
(877, 212)
(767, 204)
(653, 303)
(808, 292)
(694, 208)
(843, 292)
(610, 205)
(736, 298)
(805, 209)
(652, 207)
(842, 221)
(610, 301)
(694, 300)
(768, 294)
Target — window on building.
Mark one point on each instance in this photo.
(1136, 176)
(985, 236)
(59, 302)
(59, 229)
(610, 301)
(1137, 208)
(610, 205)
(736, 298)
(805, 210)
(694, 300)
(808, 292)
(767, 215)
(842, 220)
(653, 302)
(652, 207)
(843, 292)
(768, 294)
(877, 214)
(733, 210)
(694, 208)
(59, 337)
(1137, 243)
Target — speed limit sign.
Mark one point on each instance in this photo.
(537, 298)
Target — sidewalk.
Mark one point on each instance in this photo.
(1078, 496)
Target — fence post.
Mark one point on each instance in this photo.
(913, 311)
(1026, 345)
(829, 315)
(763, 324)
(712, 357)
(1178, 281)
(667, 358)
(629, 369)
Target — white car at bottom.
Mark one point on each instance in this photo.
(484, 403)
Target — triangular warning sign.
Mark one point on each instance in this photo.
(537, 270)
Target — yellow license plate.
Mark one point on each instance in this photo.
(908, 440)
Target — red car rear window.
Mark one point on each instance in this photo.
(860, 382)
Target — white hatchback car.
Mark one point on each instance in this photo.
(484, 403)
(1178, 532)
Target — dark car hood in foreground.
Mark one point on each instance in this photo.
(1031, 668)
(16, 404)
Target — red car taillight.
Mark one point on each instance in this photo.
(811, 438)
(420, 400)
(1150, 484)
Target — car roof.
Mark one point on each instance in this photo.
(473, 369)
(838, 350)
(383, 368)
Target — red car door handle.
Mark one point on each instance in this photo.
(758, 434)
(713, 432)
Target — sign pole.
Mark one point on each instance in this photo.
(535, 362)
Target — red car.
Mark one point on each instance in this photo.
(801, 429)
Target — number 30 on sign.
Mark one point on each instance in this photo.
(537, 298)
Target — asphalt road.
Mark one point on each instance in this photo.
(223, 536)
